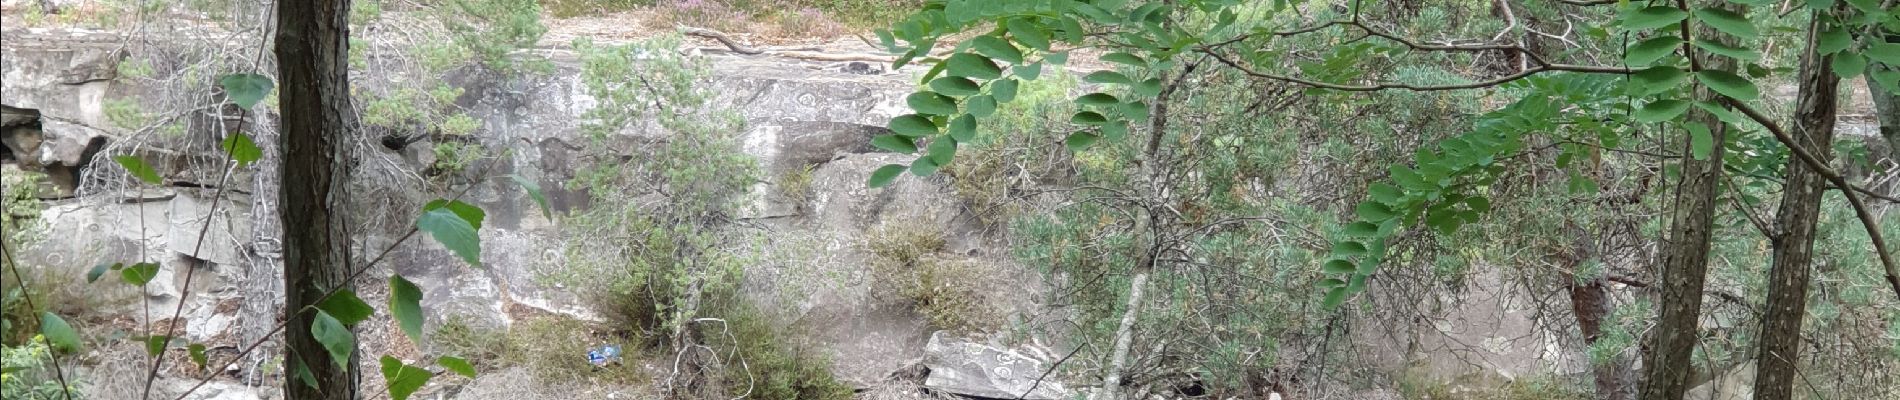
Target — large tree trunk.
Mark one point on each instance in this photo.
(1685, 251)
(263, 276)
(1887, 111)
(312, 64)
(1780, 347)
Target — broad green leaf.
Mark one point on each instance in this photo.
(1478, 203)
(1724, 50)
(924, 166)
(1334, 298)
(1150, 87)
(884, 175)
(100, 270)
(1849, 64)
(1649, 51)
(1657, 79)
(1338, 266)
(1349, 248)
(997, 48)
(242, 149)
(197, 352)
(1057, 58)
(981, 106)
(1728, 22)
(155, 343)
(1088, 118)
(1701, 141)
(453, 232)
(1004, 90)
(139, 274)
(962, 129)
(1385, 193)
(59, 335)
(137, 168)
(346, 307)
(1115, 130)
(1887, 78)
(1728, 84)
(970, 65)
(894, 144)
(1096, 99)
(1885, 53)
(1374, 211)
(405, 304)
(1028, 72)
(1125, 59)
(1330, 283)
(335, 338)
(1080, 140)
(931, 103)
(245, 90)
(1721, 112)
(1028, 33)
(954, 86)
(457, 365)
(942, 150)
(913, 125)
(1833, 41)
(1107, 77)
(1652, 17)
(302, 372)
(1661, 110)
(402, 380)
(467, 212)
(1071, 29)
(534, 192)
(1362, 229)
(1135, 110)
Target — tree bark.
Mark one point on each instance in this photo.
(1778, 354)
(312, 54)
(1887, 111)
(1685, 250)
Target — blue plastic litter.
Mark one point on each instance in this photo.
(601, 356)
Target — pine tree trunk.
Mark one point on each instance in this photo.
(1124, 337)
(312, 55)
(1779, 353)
(1685, 251)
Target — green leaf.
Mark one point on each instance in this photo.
(913, 125)
(1338, 266)
(467, 212)
(962, 129)
(1028, 72)
(245, 90)
(970, 65)
(1334, 298)
(534, 192)
(139, 274)
(884, 175)
(1108, 77)
(1661, 110)
(1004, 90)
(1833, 41)
(302, 372)
(100, 270)
(1478, 203)
(1057, 58)
(335, 338)
(1701, 141)
(1150, 87)
(1349, 248)
(1330, 283)
(1362, 229)
(197, 351)
(138, 169)
(1385, 193)
(1728, 22)
(58, 334)
(894, 143)
(1028, 33)
(155, 343)
(1652, 17)
(932, 103)
(997, 48)
(1097, 99)
(1088, 118)
(1721, 112)
(1080, 140)
(954, 86)
(1657, 79)
(1728, 84)
(1125, 59)
(346, 307)
(1135, 110)
(1724, 50)
(1651, 50)
(402, 380)
(458, 365)
(942, 150)
(923, 166)
(405, 304)
(1849, 65)
(1115, 130)
(1373, 211)
(980, 106)
(242, 149)
(1885, 53)
(453, 232)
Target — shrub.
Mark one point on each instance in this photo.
(26, 375)
(778, 365)
(907, 262)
